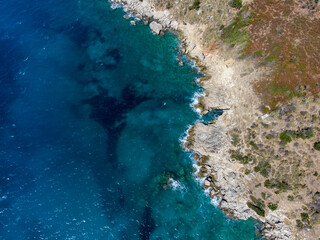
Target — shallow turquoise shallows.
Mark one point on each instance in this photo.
(92, 113)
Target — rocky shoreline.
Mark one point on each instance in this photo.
(227, 82)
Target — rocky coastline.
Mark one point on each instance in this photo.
(227, 82)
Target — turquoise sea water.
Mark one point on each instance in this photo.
(91, 113)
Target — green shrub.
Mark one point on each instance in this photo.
(270, 59)
(282, 186)
(195, 5)
(304, 217)
(264, 172)
(290, 198)
(257, 168)
(304, 133)
(309, 133)
(260, 54)
(299, 224)
(263, 195)
(257, 205)
(317, 146)
(264, 168)
(272, 206)
(253, 144)
(285, 137)
(235, 139)
(236, 4)
(168, 5)
(244, 159)
(268, 184)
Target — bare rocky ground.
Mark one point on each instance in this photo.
(241, 156)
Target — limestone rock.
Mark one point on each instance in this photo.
(207, 183)
(155, 27)
(174, 25)
(201, 56)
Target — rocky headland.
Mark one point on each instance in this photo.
(244, 157)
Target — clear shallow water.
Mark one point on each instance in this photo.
(91, 112)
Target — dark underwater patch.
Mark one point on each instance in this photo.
(148, 224)
(9, 91)
(110, 113)
(77, 32)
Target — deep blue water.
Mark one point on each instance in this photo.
(91, 113)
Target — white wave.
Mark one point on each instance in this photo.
(195, 101)
(215, 201)
(183, 139)
(176, 185)
(114, 5)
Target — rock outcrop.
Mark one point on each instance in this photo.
(155, 27)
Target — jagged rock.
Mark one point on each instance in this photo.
(201, 56)
(207, 183)
(174, 25)
(155, 27)
(192, 46)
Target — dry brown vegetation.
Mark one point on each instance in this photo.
(285, 34)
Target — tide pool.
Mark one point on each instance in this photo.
(92, 112)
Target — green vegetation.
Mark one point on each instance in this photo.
(270, 59)
(276, 89)
(235, 139)
(306, 133)
(272, 206)
(254, 145)
(285, 137)
(235, 32)
(295, 60)
(247, 172)
(269, 184)
(264, 168)
(317, 146)
(244, 159)
(195, 5)
(263, 195)
(299, 224)
(282, 186)
(168, 5)
(257, 54)
(290, 198)
(236, 4)
(257, 205)
(304, 217)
